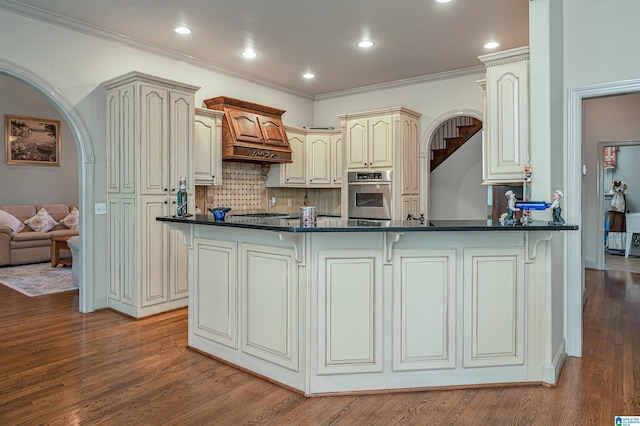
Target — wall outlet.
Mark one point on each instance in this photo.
(101, 208)
(272, 202)
(289, 203)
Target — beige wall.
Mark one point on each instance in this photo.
(26, 184)
(607, 119)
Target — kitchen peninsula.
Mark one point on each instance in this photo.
(360, 306)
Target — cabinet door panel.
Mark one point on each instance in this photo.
(350, 312)
(424, 304)
(270, 316)
(216, 292)
(318, 153)
(336, 159)
(154, 141)
(245, 126)
(380, 142)
(273, 131)
(357, 144)
(154, 262)
(494, 307)
(295, 172)
(181, 141)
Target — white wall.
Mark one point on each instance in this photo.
(605, 119)
(76, 65)
(456, 185)
(436, 100)
(27, 184)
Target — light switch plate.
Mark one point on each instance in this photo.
(101, 208)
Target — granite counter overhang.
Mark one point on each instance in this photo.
(362, 225)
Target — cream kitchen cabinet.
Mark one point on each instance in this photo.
(369, 141)
(150, 124)
(295, 173)
(506, 122)
(317, 160)
(386, 139)
(208, 147)
(324, 158)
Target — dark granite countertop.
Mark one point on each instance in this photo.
(292, 224)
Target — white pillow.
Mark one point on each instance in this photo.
(9, 220)
(71, 220)
(41, 222)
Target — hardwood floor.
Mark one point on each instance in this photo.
(60, 367)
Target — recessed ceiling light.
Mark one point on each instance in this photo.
(443, 1)
(182, 30)
(491, 45)
(249, 54)
(308, 75)
(365, 44)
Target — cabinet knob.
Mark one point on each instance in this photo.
(165, 201)
(173, 202)
(166, 190)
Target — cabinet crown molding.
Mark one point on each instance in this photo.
(385, 111)
(505, 57)
(138, 77)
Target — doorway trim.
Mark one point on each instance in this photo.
(575, 264)
(86, 170)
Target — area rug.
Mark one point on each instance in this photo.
(37, 279)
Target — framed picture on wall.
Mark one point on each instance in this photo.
(32, 141)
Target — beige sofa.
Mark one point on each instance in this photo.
(27, 245)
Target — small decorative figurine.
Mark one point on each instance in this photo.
(555, 207)
(511, 209)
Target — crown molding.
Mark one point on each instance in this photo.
(405, 82)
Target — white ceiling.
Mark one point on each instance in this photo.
(414, 38)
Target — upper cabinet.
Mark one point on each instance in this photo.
(150, 134)
(251, 132)
(207, 139)
(369, 142)
(506, 121)
(316, 160)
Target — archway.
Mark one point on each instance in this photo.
(86, 165)
(425, 150)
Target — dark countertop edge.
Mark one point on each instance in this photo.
(539, 226)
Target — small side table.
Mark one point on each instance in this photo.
(57, 244)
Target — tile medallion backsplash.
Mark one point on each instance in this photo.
(242, 188)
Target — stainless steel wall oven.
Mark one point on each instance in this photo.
(370, 195)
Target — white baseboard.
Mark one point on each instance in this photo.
(550, 373)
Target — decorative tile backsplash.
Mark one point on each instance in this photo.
(243, 189)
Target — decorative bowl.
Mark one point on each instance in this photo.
(219, 212)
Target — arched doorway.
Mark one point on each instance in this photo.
(434, 194)
(85, 173)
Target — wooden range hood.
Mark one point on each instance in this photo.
(251, 132)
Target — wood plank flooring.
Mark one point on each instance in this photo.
(60, 367)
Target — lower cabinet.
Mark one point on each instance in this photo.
(149, 269)
(247, 299)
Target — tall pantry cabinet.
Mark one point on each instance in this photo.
(149, 147)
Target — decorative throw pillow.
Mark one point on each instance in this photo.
(9, 220)
(41, 222)
(71, 220)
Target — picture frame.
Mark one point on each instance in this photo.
(32, 141)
